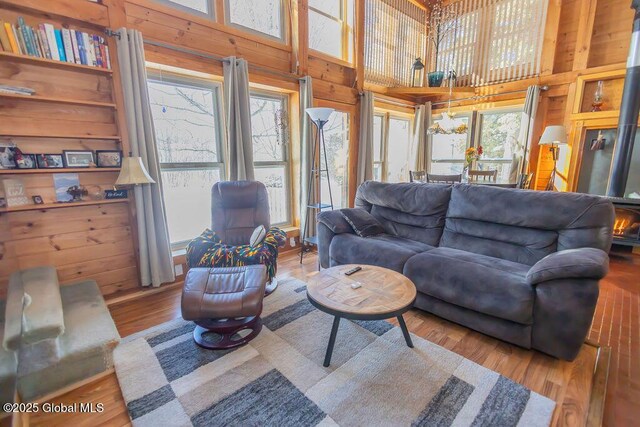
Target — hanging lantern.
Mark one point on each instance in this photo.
(417, 70)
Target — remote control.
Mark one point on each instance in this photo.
(353, 270)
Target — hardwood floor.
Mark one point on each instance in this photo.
(616, 324)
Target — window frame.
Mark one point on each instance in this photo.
(283, 24)
(176, 79)
(286, 148)
(384, 137)
(210, 14)
(347, 31)
(477, 137)
(387, 115)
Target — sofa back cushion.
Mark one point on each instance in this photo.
(525, 226)
(411, 210)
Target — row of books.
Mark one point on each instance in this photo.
(60, 44)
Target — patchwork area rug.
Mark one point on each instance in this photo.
(278, 378)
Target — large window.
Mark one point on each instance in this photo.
(394, 33)
(495, 41)
(336, 136)
(447, 151)
(392, 135)
(186, 116)
(270, 132)
(331, 27)
(498, 133)
(262, 16)
(200, 7)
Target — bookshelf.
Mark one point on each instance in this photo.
(47, 206)
(56, 170)
(74, 107)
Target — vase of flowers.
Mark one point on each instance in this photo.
(471, 155)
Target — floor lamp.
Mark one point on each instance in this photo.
(553, 136)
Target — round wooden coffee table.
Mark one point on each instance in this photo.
(382, 294)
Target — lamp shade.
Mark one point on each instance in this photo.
(319, 114)
(553, 135)
(133, 172)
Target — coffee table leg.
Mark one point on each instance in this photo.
(405, 331)
(332, 341)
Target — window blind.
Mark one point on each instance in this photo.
(493, 41)
(395, 35)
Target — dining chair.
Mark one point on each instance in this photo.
(417, 176)
(524, 182)
(443, 179)
(475, 175)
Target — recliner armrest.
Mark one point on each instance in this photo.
(335, 222)
(582, 263)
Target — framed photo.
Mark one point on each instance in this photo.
(63, 183)
(38, 200)
(78, 159)
(7, 154)
(108, 158)
(49, 161)
(26, 161)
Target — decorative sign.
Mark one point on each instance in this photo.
(115, 194)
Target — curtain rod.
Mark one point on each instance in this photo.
(477, 97)
(220, 59)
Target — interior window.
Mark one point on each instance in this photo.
(270, 133)
(262, 16)
(186, 117)
(498, 135)
(331, 27)
(204, 7)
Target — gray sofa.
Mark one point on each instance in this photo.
(519, 265)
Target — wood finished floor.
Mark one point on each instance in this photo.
(616, 324)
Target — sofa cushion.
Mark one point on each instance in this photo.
(488, 285)
(525, 226)
(383, 250)
(363, 223)
(413, 211)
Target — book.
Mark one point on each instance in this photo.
(36, 41)
(4, 38)
(24, 35)
(68, 47)
(106, 54)
(81, 49)
(20, 39)
(51, 40)
(74, 44)
(60, 45)
(12, 37)
(17, 90)
(90, 51)
(45, 42)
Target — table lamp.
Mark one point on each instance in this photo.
(553, 136)
(132, 172)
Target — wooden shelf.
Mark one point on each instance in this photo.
(56, 170)
(97, 137)
(53, 63)
(57, 100)
(596, 115)
(426, 91)
(47, 206)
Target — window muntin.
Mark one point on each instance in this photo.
(188, 127)
(336, 136)
(265, 17)
(270, 135)
(331, 27)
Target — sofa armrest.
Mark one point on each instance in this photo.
(335, 222)
(582, 263)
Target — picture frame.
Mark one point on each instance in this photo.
(50, 161)
(78, 158)
(108, 158)
(7, 155)
(38, 200)
(26, 161)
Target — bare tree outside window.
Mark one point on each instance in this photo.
(263, 16)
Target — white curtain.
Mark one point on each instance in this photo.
(306, 156)
(156, 261)
(421, 139)
(238, 118)
(520, 159)
(365, 146)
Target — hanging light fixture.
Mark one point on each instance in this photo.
(449, 125)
